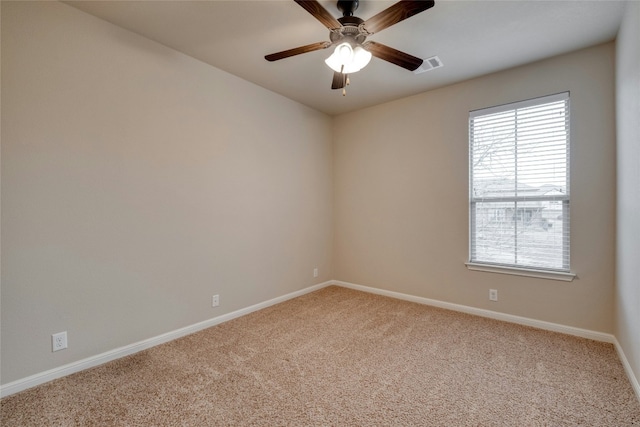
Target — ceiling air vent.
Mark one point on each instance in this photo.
(428, 65)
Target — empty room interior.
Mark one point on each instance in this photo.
(194, 232)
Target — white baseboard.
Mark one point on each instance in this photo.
(90, 362)
(627, 368)
(540, 324)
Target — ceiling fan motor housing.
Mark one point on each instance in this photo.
(351, 25)
(351, 28)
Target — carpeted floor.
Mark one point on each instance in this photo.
(338, 357)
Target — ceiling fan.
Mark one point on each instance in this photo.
(349, 33)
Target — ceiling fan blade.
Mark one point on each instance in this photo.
(338, 80)
(297, 51)
(398, 12)
(392, 55)
(320, 13)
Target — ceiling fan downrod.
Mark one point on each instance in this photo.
(348, 7)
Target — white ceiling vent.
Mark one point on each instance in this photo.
(428, 65)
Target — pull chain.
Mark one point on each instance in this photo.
(346, 83)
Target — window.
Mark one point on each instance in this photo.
(519, 185)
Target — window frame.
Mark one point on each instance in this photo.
(563, 273)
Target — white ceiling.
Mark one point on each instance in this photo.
(471, 38)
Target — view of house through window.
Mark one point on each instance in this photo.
(519, 184)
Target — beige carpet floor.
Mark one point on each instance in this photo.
(338, 357)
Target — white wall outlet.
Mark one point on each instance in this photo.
(59, 341)
(493, 294)
(215, 301)
(315, 272)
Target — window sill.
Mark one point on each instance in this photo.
(528, 272)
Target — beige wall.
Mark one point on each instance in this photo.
(137, 182)
(628, 203)
(401, 193)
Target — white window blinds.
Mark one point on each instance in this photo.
(519, 184)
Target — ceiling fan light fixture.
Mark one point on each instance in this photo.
(352, 59)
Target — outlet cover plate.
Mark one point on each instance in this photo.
(59, 341)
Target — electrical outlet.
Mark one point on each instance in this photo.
(215, 301)
(493, 294)
(59, 341)
(315, 272)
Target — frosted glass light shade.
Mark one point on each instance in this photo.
(352, 59)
